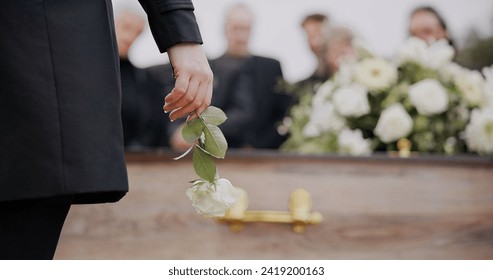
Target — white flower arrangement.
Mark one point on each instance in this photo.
(421, 95)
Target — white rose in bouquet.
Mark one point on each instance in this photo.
(351, 142)
(429, 97)
(413, 50)
(439, 54)
(323, 93)
(479, 131)
(433, 56)
(213, 199)
(351, 101)
(471, 86)
(375, 73)
(394, 123)
(450, 71)
(323, 118)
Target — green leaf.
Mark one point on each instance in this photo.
(192, 130)
(213, 115)
(204, 164)
(214, 142)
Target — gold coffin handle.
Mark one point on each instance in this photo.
(300, 205)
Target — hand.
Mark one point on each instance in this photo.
(193, 87)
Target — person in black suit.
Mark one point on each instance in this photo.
(60, 109)
(144, 124)
(252, 82)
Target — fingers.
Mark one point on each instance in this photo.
(205, 104)
(194, 105)
(188, 97)
(178, 92)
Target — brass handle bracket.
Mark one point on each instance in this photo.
(299, 214)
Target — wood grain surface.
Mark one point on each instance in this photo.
(373, 208)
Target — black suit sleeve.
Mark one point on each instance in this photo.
(171, 22)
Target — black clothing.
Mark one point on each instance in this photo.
(271, 103)
(144, 122)
(312, 82)
(30, 229)
(60, 99)
(233, 92)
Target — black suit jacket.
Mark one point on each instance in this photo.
(271, 103)
(143, 91)
(60, 98)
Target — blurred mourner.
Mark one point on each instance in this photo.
(427, 24)
(313, 25)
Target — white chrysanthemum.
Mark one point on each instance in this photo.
(351, 142)
(434, 56)
(394, 123)
(479, 131)
(471, 86)
(351, 101)
(429, 97)
(488, 85)
(323, 118)
(213, 200)
(375, 74)
(324, 92)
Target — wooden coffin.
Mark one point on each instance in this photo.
(378, 207)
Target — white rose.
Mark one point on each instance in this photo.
(413, 49)
(439, 54)
(323, 118)
(213, 200)
(394, 123)
(375, 74)
(434, 56)
(450, 71)
(471, 86)
(479, 131)
(351, 101)
(429, 97)
(352, 142)
(324, 92)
